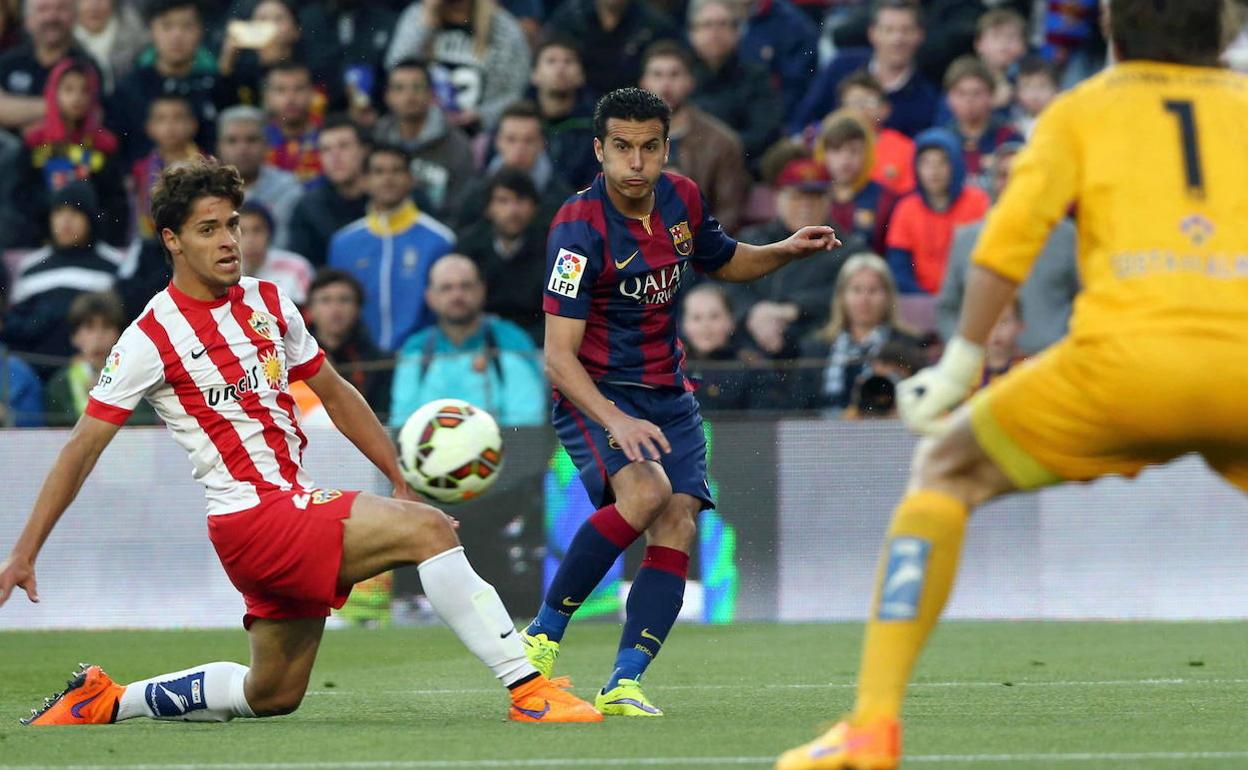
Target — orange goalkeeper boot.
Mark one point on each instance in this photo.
(547, 700)
(872, 746)
(90, 698)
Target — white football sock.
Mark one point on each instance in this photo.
(471, 607)
(212, 692)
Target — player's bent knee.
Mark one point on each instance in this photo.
(277, 704)
(649, 497)
(429, 531)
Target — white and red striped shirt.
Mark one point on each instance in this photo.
(218, 373)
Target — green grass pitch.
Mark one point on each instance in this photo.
(988, 695)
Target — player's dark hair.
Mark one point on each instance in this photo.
(339, 120)
(327, 276)
(388, 148)
(557, 40)
(515, 180)
(96, 305)
(633, 104)
(912, 6)
(1038, 65)
(154, 9)
(860, 79)
(182, 184)
(1175, 31)
(668, 49)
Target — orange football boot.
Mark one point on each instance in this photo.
(90, 698)
(872, 746)
(547, 700)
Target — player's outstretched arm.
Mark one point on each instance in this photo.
(924, 399)
(751, 262)
(355, 418)
(639, 439)
(72, 466)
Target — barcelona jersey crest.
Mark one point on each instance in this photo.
(682, 238)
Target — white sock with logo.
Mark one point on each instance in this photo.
(212, 692)
(471, 607)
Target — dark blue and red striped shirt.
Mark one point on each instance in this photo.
(622, 276)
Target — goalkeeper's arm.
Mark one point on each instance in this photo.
(926, 397)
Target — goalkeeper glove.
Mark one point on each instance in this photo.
(924, 399)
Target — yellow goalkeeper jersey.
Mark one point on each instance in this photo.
(1154, 160)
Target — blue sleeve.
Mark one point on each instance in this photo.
(712, 247)
(901, 261)
(573, 264)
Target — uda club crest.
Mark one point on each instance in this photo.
(262, 324)
(682, 238)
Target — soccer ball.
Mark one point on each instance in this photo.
(450, 451)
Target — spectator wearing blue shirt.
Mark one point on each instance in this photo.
(782, 39)
(480, 358)
(390, 249)
(895, 34)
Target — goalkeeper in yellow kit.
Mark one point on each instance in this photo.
(1153, 154)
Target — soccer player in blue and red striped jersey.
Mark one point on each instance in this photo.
(617, 255)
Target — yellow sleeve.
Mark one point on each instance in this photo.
(1042, 186)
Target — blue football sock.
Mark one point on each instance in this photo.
(653, 604)
(594, 548)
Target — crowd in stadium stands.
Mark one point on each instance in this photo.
(403, 162)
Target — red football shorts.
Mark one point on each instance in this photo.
(284, 554)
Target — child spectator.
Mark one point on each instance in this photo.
(1002, 351)
(176, 64)
(71, 144)
(894, 151)
(294, 120)
(290, 271)
(921, 227)
(566, 109)
(335, 300)
(1000, 42)
(714, 360)
(1037, 86)
(171, 127)
(95, 322)
(860, 205)
(863, 320)
(969, 85)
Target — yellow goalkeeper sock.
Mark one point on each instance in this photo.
(916, 572)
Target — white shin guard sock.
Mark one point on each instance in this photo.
(212, 692)
(471, 607)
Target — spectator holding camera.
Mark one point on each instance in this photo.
(874, 396)
(864, 319)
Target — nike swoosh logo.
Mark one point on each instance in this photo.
(198, 353)
(633, 702)
(76, 711)
(621, 265)
(535, 714)
(510, 631)
(567, 602)
(645, 634)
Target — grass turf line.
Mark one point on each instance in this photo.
(1177, 688)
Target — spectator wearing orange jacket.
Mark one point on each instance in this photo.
(921, 228)
(893, 165)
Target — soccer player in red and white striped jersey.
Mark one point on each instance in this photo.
(214, 354)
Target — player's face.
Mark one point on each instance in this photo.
(408, 95)
(342, 155)
(866, 299)
(73, 96)
(333, 309)
(242, 144)
(288, 96)
(94, 339)
(389, 181)
(668, 77)
(632, 156)
(934, 171)
(1035, 92)
(456, 294)
(171, 125)
(176, 35)
(715, 32)
(519, 142)
(558, 70)
(970, 99)
(868, 103)
(845, 162)
(895, 37)
(510, 213)
(706, 323)
(253, 241)
(205, 249)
